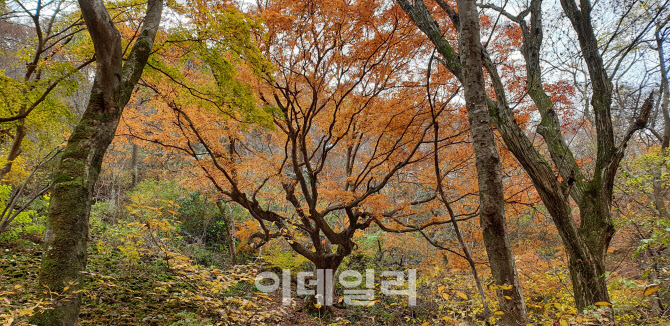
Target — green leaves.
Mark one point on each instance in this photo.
(213, 59)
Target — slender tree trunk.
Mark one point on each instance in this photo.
(14, 151)
(67, 226)
(133, 164)
(657, 184)
(491, 197)
(471, 263)
(229, 231)
(113, 194)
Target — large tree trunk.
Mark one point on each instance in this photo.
(586, 255)
(67, 228)
(491, 197)
(320, 303)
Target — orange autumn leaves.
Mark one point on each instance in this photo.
(347, 79)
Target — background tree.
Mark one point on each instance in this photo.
(36, 95)
(641, 194)
(587, 243)
(45, 59)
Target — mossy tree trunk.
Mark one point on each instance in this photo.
(67, 227)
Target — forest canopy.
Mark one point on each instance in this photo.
(310, 162)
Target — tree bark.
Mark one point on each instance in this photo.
(229, 230)
(67, 226)
(657, 183)
(321, 300)
(491, 197)
(133, 164)
(15, 150)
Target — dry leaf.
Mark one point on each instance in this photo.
(651, 289)
(462, 295)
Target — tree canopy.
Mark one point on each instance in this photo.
(507, 158)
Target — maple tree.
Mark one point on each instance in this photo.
(222, 154)
(336, 123)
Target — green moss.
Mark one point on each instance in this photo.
(63, 177)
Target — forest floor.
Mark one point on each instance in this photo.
(117, 294)
(127, 285)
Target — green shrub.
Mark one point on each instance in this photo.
(282, 258)
(27, 226)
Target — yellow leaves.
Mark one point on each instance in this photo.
(264, 296)
(651, 289)
(488, 286)
(8, 322)
(462, 295)
(440, 291)
(563, 322)
(248, 305)
(603, 304)
(492, 286)
(27, 312)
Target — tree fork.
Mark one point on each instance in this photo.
(66, 235)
